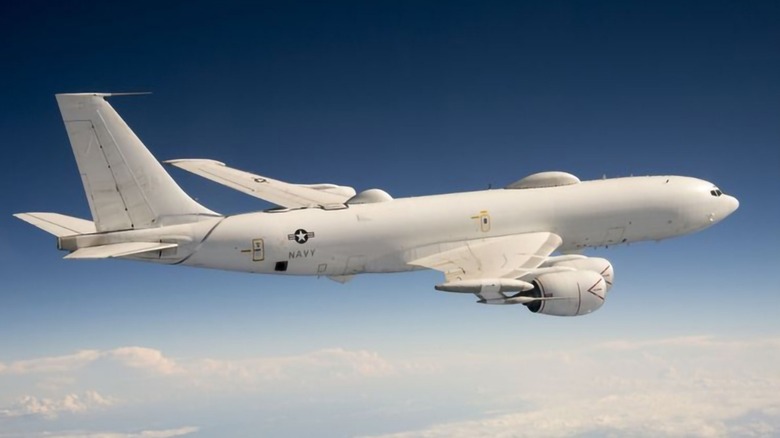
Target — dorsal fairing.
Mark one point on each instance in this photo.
(370, 196)
(544, 179)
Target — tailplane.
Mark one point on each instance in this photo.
(69, 230)
(58, 224)
(126, 187)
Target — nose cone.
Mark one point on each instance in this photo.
(726, 205)
(731, 204)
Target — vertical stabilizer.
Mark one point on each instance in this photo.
(127, 188)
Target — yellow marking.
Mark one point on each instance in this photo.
(258, 250)
(484, 220)
(481, 213)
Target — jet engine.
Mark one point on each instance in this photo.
(568, 293)
(594, 264)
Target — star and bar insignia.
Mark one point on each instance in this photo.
(301, 236)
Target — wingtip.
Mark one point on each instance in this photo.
(179, 161)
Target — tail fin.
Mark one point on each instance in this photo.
(126, 187)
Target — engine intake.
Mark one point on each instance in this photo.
(598, 265)
(570, 293)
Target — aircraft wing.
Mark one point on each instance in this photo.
(495, 257)
(487, 267)
(277, 192)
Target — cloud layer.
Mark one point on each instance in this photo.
(692, 386)
(52, 408)
(150, 433)
(335, 363)
(685, 386)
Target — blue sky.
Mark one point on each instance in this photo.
(414, 98)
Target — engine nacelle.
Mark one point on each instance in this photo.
(594, 264)
(569, 293)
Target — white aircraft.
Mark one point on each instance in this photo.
(496, 244)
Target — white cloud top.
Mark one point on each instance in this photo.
(692, 386)
(162, 433)
(688, 386)
(52, 408)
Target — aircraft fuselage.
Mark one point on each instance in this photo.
(385, 236)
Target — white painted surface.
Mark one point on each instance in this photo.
(493, 243)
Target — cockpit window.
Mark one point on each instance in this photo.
(716, 192)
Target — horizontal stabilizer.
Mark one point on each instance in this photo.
(58, 224)
(118, 250)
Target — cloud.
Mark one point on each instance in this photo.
(700, 341)
(54, 383)
(134, 357)
(51, 364)
(663, 412)
(161, 433)
(693, 386)
(144, 358)
(683, 386)
(334, 363)
(317, 368)
(51, 408)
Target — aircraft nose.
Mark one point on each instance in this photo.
(732, 204)
(725, 205)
